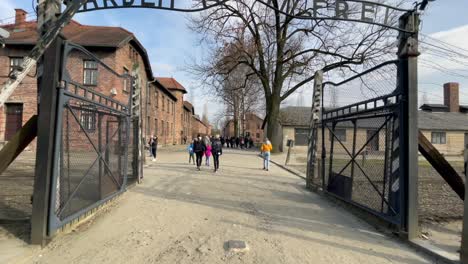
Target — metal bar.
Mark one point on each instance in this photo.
(354, 151)
(356, 113)
(92, 144)
(464, 238)
(330, 167)
(359, 166)
(373, 100)
(362, 73)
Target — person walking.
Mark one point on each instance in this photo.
(208, 154)
(191, 153)
(199, 148)
(153, 143)
(266, 149)
(217, 150)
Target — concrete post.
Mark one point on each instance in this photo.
(408, 83)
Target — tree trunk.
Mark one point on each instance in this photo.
(274, 132)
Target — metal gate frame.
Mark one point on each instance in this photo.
(67, 91)
(389, 108)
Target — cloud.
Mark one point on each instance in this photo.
(163, 69)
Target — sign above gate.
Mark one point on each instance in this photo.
(174, 5)
(361, 11)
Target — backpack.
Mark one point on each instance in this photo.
(216, 146)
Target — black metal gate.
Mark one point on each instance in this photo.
(360, 146)
(95, 153)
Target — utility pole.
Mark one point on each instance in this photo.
(314, 125)
(407, 184)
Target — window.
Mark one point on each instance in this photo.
(167, 101)
(340, 134)
(15, 63)
(258, 135)
(155, 126)
(88, 118)
(438, 138)
(157, 99)
(126, 82)
(167, 128)
(90, 71)
(148, 126)
(162, 128)
(163, 101)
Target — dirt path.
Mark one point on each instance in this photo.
(179, 215)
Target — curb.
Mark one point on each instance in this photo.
(294, 172)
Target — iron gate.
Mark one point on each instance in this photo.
(360, 146)
(94, 137)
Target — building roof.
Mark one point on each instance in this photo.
(189, 107)
(172, 84)
(434, 107)
(443, 121)
(84, 35)
(451, 121)
(295, 116)
(164, 90)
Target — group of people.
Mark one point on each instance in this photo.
(210, 146)
(238, 142)
(205, 147)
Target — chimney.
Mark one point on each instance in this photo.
(20, 16)
(451, 96)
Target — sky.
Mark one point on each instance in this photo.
(171, 45)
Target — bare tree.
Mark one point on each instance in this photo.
(281, 51)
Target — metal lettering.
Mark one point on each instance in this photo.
(367, 8)
(147, 4)
(112, 2)
(85, 6)
(128, 2)
(319, 4)
(341, 9)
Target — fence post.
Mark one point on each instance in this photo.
(46, 148)
(464, 239)
(408, 83)
(314, 125)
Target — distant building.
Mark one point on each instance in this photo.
(199, 127)
(251, 126)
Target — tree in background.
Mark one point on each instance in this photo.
(282, 52)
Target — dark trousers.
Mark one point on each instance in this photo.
(199, 158)
(216, 161)
(153, 152)
(191, 158)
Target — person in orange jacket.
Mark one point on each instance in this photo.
(266, 149)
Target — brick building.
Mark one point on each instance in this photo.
(115, 46)
(178, 91)
(199, 127)
(251, 126)
(163, 111)
(188, 113)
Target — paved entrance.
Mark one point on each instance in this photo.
(180, 215)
